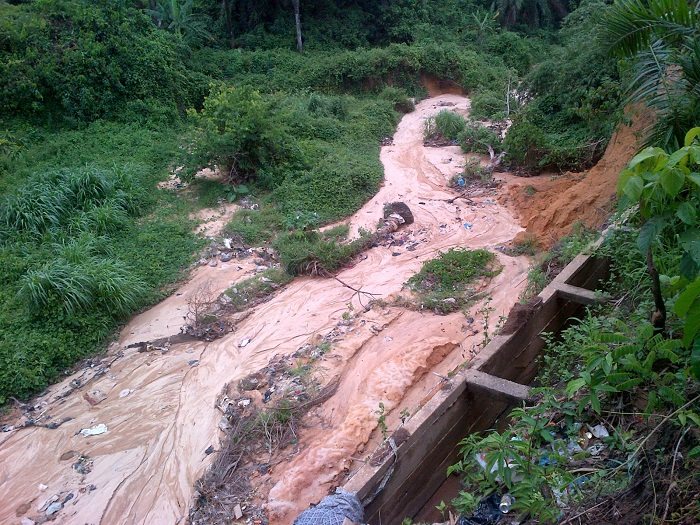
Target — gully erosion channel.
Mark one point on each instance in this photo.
(159, 408)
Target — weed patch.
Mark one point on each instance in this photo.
(443, 284)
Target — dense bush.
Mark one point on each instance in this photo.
(575, 100)
(87, 59)
(477, 138)
(445, 124)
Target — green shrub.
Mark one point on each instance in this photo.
(398, 98)
(488, 105)
(476, 138)
(86, 60)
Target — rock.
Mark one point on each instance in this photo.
(227, 243)
(450, 300)
(42, 487)
(244, 342)
(213, 263)
(54, 508)
(94, 397)
(27, 521)
(193, 362)
(64, 457)
(226, 256)
(209, 450)
(203, 261)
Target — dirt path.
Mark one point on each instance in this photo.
(159, 405)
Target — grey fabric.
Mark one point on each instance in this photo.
(333, 510)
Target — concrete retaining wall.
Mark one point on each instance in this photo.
(473, 400)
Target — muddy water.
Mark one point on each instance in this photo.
(143, 468)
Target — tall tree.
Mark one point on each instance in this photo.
(297, 23)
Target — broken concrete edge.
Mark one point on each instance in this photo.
(500, 357)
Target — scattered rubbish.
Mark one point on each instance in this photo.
(468, 225)
(94, 431)
(8, 428)
(506, 503)
(213, 263)
(333, 509)
(599, 431)
(125, 392)
(42, 487)
(54, 508)
(226, 256)
(209, 450)
(83, 465)
(244, 402)
(450, 300)
(596, 450)
(27, 521)
(395, 254)
(461, 182)
(203, 261)
(68, 498)
(227, 243)
(237, 512)
(244, 342)
(193, 362)
(487, 512)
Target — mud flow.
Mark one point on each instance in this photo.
(148, 412)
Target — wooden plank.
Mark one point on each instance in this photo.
(497, 387)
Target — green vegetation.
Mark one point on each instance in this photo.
(317, 253)
(443, 284)
(446, 125)
(615, 368)
(82, 247)
(250, 291)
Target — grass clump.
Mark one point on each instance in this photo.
(444, 126)
(250, 292)
(317, 253)
(443, 284)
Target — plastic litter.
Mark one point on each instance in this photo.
(244, 342)
(599, 431)
(94, 431)
(468, 225)
(54, 508)
(333, 510)
(461, 182)
(487, 512)
(125, 392)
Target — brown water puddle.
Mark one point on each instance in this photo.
(159, 406)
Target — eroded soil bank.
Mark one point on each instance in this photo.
(158, 403)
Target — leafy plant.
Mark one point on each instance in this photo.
(667, 190)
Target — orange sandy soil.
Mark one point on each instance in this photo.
(560, 201)
(160, 406)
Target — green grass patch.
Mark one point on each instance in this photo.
(444, 283)
(317, 253)
(250, 292)
(84, 246)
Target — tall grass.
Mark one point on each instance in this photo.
(445, 124)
